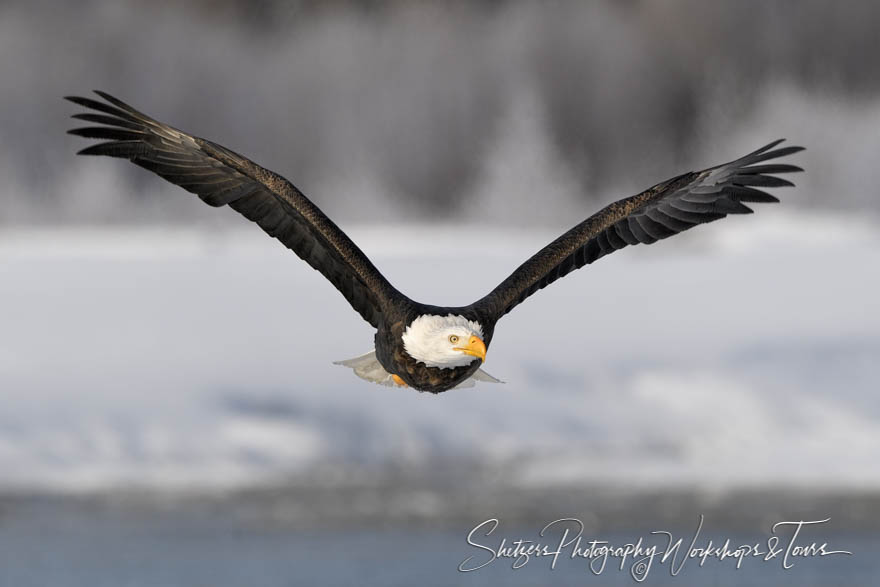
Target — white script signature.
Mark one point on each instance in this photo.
(564, 539)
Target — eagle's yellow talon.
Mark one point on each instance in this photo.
(400, 382)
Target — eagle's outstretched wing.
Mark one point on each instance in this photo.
(666, 209)
(219, 176)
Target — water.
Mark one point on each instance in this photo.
(68, 544)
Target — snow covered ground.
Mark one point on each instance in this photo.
(741, 354)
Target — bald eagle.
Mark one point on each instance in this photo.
(429, 348)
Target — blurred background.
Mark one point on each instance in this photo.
(171, 414)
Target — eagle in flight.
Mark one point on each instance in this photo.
(429, 348)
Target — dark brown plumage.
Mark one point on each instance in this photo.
(661, 211)
(221, 177)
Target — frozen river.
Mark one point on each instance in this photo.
(740, 354)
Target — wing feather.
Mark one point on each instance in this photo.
(664, 210)
(222, 177)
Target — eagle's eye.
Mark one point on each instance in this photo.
(453, 339)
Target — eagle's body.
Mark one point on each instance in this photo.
(399, 354)
(429, 348)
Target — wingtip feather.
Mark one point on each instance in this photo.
(88, 151)
(104, 95)
(78, 100)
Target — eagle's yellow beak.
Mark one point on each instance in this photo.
(474, 347)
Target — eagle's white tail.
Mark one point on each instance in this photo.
(368, 367)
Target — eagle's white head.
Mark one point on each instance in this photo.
(444, 341)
